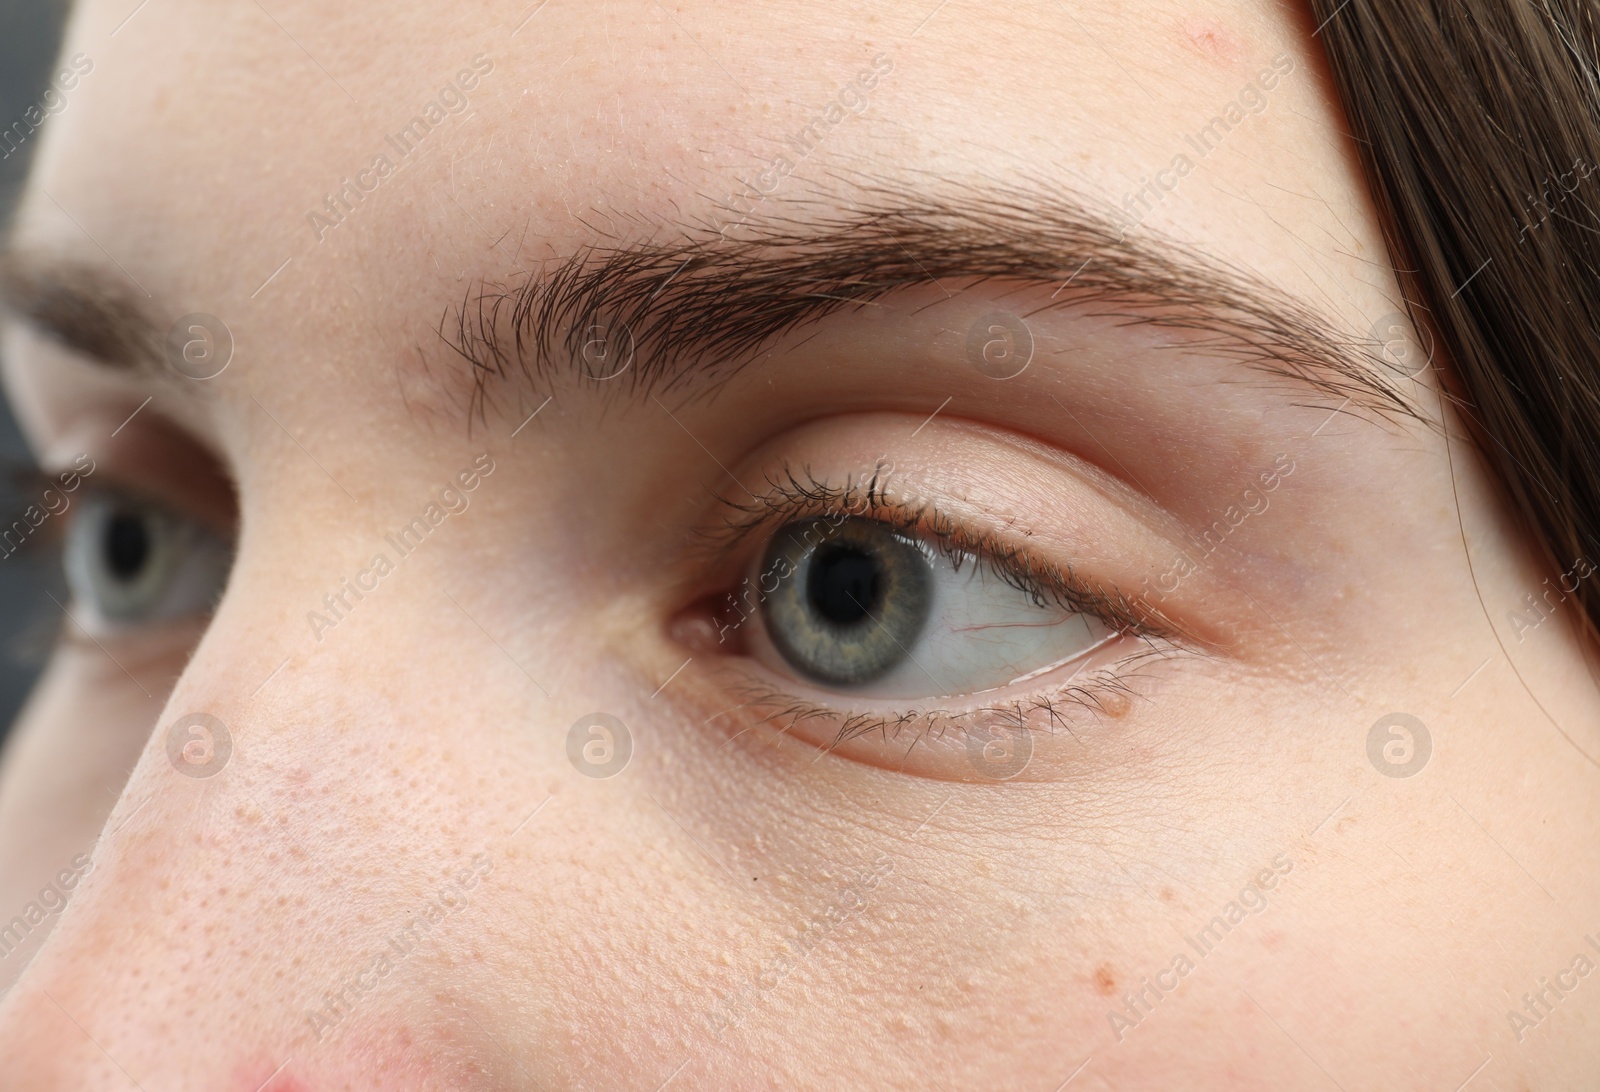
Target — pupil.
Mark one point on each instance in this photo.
(844, 584)
(127, 545)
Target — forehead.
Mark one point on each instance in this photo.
(340, 174)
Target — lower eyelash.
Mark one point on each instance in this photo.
(1103, 695)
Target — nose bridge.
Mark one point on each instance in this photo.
(302, 839)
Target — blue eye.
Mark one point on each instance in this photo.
(861, 605)
(132, 562)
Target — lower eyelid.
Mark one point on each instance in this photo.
(146, 652)
(935, 741)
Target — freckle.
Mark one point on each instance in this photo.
(1104, 980)
(1167, 895)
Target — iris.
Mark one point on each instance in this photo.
(856, 596)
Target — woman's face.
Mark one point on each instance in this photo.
(889, 545)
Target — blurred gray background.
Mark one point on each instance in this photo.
(30, 32)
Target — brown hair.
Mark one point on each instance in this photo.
(1476, 123)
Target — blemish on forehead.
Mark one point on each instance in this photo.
(1212, 40)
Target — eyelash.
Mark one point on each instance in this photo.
(796, 494)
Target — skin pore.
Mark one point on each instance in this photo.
(644, 268)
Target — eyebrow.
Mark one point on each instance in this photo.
(82, 307)
(704, 305)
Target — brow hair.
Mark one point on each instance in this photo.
(704, 304)
(76, 304)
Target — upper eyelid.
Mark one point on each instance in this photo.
(135, 493)
(31, 481)
(782, 499)
(797, 494)
(26, 476)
